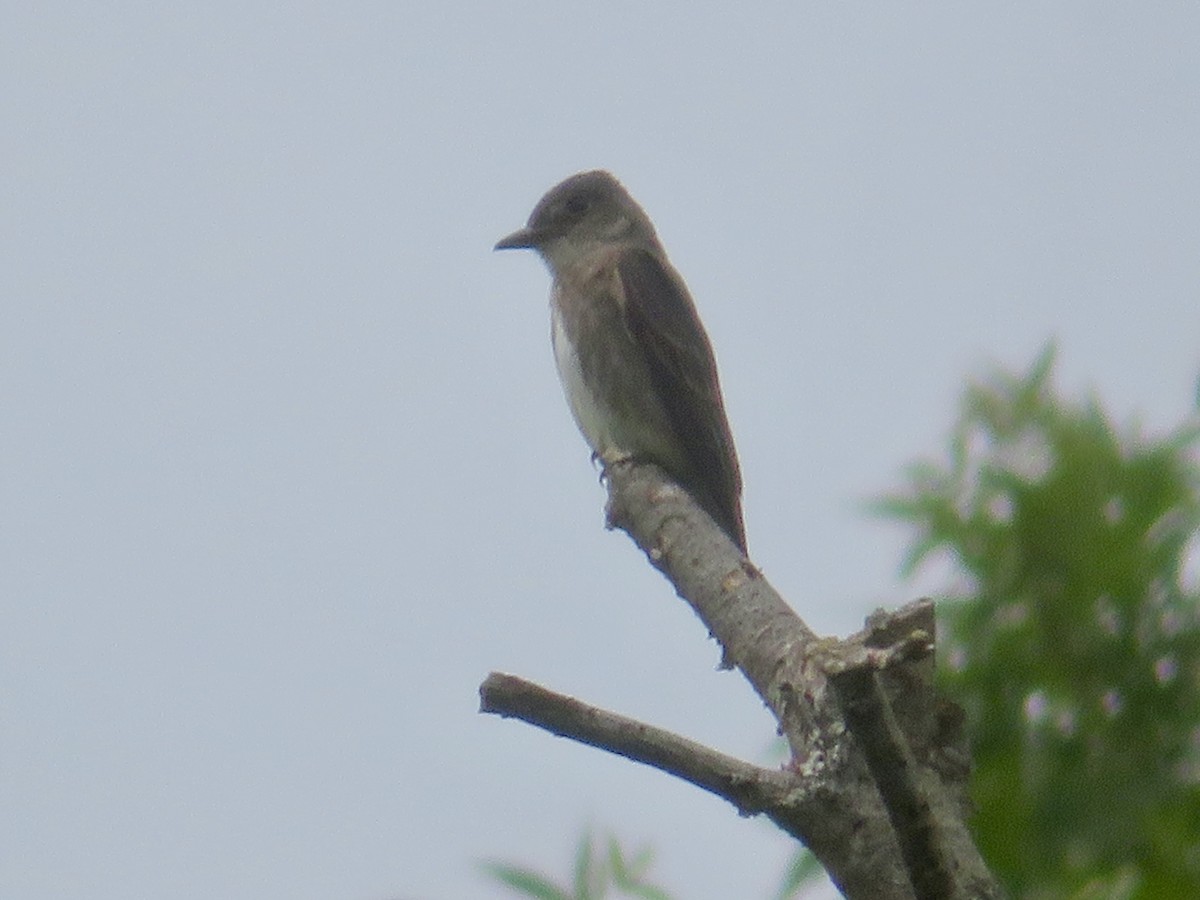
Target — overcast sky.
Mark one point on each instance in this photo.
(285, 468)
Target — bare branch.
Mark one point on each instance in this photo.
(828, 798)
(760, 634)
(896, 774)
(752, 789)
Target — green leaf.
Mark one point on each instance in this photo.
(628, 873)
(526, 881)
(803, 869)
(589, 879)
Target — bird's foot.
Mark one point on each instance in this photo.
(609, 458)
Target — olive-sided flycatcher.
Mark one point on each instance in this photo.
(636, 365)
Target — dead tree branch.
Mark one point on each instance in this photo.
(876, 783)
(752, 789)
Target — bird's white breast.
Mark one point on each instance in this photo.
(592, 419)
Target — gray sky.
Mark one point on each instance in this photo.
(285, 469)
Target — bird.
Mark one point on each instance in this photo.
(636, 365)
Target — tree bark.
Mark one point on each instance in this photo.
(876, 784)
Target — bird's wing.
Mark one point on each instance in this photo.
(662, 319)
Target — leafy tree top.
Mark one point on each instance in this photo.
(1074, 643)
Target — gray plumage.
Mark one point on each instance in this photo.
(635, 362)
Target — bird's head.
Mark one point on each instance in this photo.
(574, 216)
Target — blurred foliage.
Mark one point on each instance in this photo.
(802, 871)
(600, 872)
(1074, 639)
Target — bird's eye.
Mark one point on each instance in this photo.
(577, 206)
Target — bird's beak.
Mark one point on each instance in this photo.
(519, 239)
